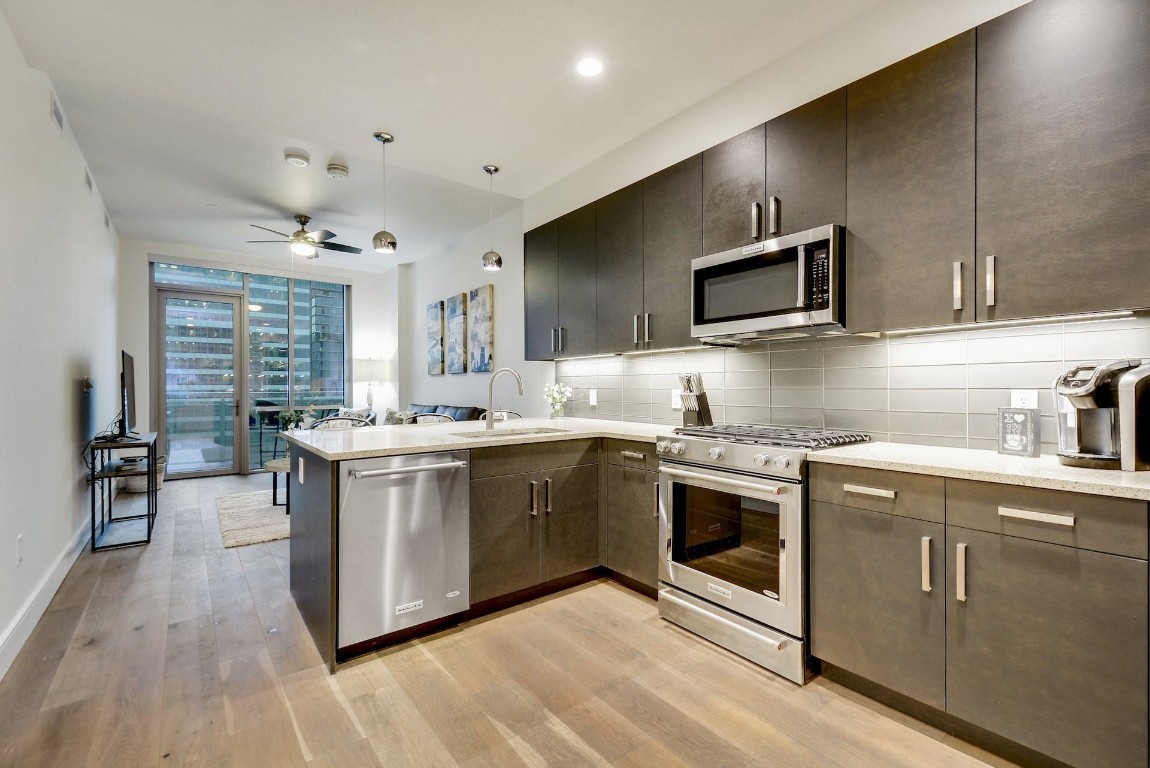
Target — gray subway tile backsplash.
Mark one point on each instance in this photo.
(942, 388)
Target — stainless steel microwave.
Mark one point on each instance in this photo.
(791, 286)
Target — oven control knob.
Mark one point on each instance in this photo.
(662, 446)
(677, 448)
(782, 462)
(715, 453)
(762, 459)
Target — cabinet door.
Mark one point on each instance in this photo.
(633, 523)
(807, 165)
(619, 269)
(577, 282)
(672, 236)
(1064, 157)
(733, 180)
(504, 536)
(570, 513)
(1049, 647)
(540, 291)
(869, 613)
(910, 191)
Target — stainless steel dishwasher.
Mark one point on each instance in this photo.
(403, 543)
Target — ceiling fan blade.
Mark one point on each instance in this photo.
(265, 241)
(265, 229)
(339, 247)
(320, 235)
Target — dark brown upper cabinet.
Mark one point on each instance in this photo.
(910, 191)
(1063, 158)
(577, 332)
(672, 236)
(541, 292)
(807, 166)
(734, 191)
(619, 265)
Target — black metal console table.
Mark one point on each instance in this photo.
(106, 464)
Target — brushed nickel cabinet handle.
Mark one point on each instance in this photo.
(656, 500)
(534, 486)
(756, 220)
(773, 215)
(868, 491)
(960, 574)
(560, 334)
(647, 327)
(990, 264)
(547, 496)
(1038, 517)
(633, 455)
(554, 345)
(957, 286)
(926, 564)
(635, 328)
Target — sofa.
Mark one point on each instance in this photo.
(456, 412)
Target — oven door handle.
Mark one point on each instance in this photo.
(757, 487)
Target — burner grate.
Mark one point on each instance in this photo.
(788, 437)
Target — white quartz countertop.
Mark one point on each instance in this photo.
(969, 464)
(395, 440)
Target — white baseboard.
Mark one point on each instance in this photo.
(20, 629)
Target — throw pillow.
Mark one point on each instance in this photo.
(398, 417)
(362, 413)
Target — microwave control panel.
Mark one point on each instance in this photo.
(820, 294)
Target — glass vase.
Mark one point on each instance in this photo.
(557, 410)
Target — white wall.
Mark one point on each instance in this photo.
(372, 328)
(454, 270)
(887, 33)
(58, 311)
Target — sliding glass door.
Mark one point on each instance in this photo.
(198, 388)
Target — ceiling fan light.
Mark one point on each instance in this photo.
(302, 248)
(492, 261)
(383, 242)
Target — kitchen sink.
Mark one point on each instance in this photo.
(499, 432)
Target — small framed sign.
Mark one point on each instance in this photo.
(1019, 431)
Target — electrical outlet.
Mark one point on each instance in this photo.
(1024, 398)
(676, 399)
(19, 548)
(593, 396)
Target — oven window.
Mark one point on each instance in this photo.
(756, 286)
(727, 536)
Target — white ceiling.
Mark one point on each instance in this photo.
(184, 109)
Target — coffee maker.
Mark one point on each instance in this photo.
(1103, 413)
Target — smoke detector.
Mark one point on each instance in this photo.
(297, 157)
(337, 170)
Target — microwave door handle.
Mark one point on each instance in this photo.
(802, 298)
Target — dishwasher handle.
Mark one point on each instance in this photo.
(360, 474)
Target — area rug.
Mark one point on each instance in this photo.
(250, 518)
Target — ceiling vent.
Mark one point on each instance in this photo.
(55, 111)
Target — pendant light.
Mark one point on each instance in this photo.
(492, 261)
(384, 241)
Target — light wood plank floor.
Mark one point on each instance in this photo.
(182, 653)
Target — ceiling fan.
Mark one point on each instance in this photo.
(304, 243)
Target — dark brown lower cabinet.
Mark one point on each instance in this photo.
(871, 611)
(633, 523)
(1048, 648)
(524, 534)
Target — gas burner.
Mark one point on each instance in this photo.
(787, 437)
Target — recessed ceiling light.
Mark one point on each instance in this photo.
(589, 67)
(297, 157)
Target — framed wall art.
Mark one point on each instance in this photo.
(480, 328)
(455, 330)
(435, 338)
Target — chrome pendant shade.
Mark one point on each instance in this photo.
(384, 241)
(492, 261)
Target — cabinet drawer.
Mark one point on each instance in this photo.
(530, 457)
(1098, 523)
(897, 493)
(631, 453)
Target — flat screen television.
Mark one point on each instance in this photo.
(127, 425)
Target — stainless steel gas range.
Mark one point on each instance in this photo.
(732, 524)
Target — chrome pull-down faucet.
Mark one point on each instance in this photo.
(491, 396)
